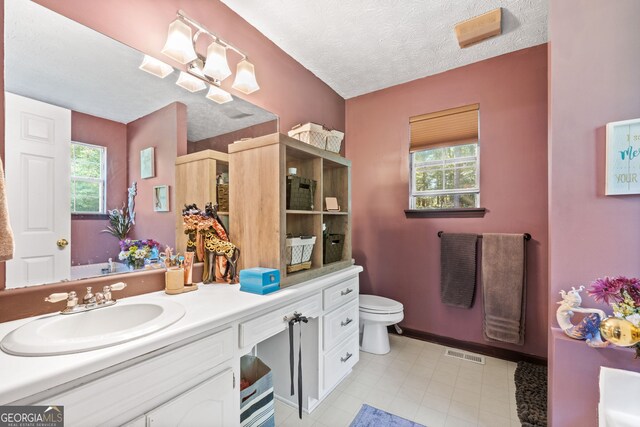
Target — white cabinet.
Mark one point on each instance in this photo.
(209, 404)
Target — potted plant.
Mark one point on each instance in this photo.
(119, 223)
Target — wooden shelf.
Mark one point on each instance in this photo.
(258, 170)
(298, 212)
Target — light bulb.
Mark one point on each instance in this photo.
(218, 95)
(245, 81)
(216, 65)
(190, 83)
(156, 67)
(179, 45)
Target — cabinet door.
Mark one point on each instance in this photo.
(209, 404)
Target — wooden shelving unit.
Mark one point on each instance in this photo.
(196, 183)
(259, 218)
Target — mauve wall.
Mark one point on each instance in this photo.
(220, 142)
(401, 257)
(594, 65)
(286, 87)
(166, 131)
(88, 244)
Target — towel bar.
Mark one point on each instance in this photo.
(526, 236)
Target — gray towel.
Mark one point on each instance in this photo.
(458, 269)
(504, 272)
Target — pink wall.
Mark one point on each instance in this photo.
(286, 87)
(594, 66)
(166, 131)
(401, 257)
(89, 245)
(220, 142)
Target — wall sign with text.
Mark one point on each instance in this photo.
(623, 157)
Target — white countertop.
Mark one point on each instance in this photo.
(208, 308)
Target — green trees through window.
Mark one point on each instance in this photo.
(445, 178)
(88, 176)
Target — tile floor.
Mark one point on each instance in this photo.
(415, 380)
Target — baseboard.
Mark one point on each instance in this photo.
(487, 350)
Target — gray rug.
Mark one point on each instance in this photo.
(374, 417)
(531, 394)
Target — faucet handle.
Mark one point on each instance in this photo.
(61, 296)
(118, 286)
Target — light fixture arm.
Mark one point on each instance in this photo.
(202, 29)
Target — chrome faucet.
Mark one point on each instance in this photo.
(90, 301)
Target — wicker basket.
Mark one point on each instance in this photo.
(334, 141)
(332, 250)
(311, 133)
(299, 251)
(223, 197)
(300, 193)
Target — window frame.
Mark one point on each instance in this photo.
(444, 192)
(102, 181)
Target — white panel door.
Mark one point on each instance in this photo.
(209, 404)
(37, 158)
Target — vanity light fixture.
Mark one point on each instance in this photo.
(245, 80)
(190, 83)
(213, 69)
(218, 95)
(156, 67)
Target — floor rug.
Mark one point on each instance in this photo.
(373, 417)
(531, 394)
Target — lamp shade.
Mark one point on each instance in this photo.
(218, 95)
(190, 83)
(179, 45)
(245, 81)
(156, 67)
(216, 65)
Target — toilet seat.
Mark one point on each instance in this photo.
(379, 305)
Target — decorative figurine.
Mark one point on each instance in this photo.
(589, 328)
(133, 191)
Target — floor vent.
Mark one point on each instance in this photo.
(463, 355)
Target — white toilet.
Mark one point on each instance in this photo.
(376, 313)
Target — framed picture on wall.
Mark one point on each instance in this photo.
(147, 163)
(161, 198)
(623, 157)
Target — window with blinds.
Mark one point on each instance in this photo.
(445, 161)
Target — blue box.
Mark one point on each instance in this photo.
(260, 290)
(259, 276)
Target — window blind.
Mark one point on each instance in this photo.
(456, 126)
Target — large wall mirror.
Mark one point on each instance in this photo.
(83, 123)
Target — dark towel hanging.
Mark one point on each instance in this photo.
(297, 318)
(458, 252)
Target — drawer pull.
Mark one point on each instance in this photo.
(347, 357)
(347, 292)
(346, 322)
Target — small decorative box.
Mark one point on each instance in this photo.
(259, 276)
(260, 290)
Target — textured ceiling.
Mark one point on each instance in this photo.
(359, 46)
(53, 59)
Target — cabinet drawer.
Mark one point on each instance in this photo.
(337, 295)
(340, 323)
(267, 325)
(339, 361)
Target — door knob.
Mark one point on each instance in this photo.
(62, 243)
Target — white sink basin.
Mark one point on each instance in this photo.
(90, 330)
(619, 391)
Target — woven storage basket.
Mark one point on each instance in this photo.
(334, 140)
(311, 133)
(300, 192)
(298, 251)
(332, 250)
(223, 197)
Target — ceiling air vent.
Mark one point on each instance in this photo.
(480, 28)
(463, 355)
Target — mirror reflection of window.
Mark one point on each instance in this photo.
(88, 178)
